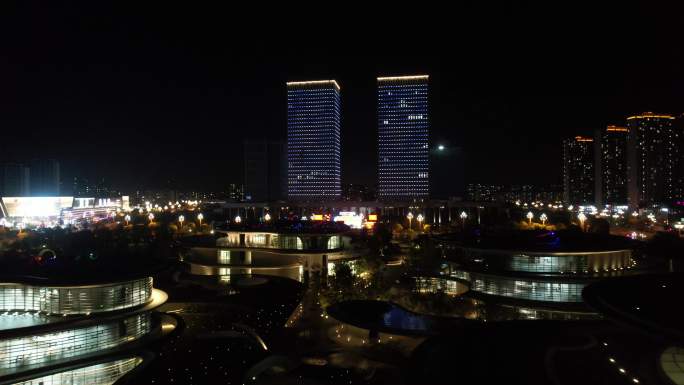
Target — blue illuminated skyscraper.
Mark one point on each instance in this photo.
(403, 125)
(313, 140)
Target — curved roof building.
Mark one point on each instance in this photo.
(54, 331)
(550, 268)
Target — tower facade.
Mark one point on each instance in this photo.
(313, 140)
(403, 134)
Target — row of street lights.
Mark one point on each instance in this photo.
(420, 218)
(543, 218)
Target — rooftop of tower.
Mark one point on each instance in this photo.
(407, 78)
(650, 115)
(313, 84)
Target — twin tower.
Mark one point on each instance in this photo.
(314, 148)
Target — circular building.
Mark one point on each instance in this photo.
(536, 267)
(48, 323)
(283, 249)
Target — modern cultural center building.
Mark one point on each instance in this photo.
(545, 267)
(55, 331)
(286, 249)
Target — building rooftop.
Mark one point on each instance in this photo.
(402, 78)
(65, 271)
(314, 84)
(650, 115)
(288, 227)
(541, 241)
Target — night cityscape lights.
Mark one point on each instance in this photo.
(403, 130)
(314, 114)
(184, 200)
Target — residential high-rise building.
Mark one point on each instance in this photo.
(81, 188)
(313, 140)
(477, 192)
(611, 165)
(45, 178)
(15, 180)
(403, 129)
(236, 192)
(265, 171)
(654, 159)
(578, 170)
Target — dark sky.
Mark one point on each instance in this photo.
(142, 96)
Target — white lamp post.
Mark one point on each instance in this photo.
(530, 216)
(238, 219)
(267, 217)
(127, 218)
(463, 216)
(543, 218)
(151, 217)
(181, 219)
(410, 218)
(420, 221)
(200, 216)
(582, 218)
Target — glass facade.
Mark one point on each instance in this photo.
(532, 289)
(403, 126)
(440, 285)
(65, 300)
(38, 349)
(280, 241)
(313, 140)
(550, 263)
(100, 374)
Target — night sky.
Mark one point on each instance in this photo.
(164, 96)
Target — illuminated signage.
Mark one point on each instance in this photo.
(36, 206)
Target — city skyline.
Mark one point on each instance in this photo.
(124, 88)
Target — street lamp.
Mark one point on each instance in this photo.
(151, 217)
(530, 216)
(420, 221)
(582, 218)
(463, 216)
(543, 218)
(181, 219)
(127, 218)
(267, 217)
(410, 218)
(238, 219)
(200, 216)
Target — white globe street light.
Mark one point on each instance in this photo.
(127, 218)
(543, 218)
(151, 217)
(200, 216)
(181, 219)
(463, 216)
(582, 218)
(420, 221)
(410, 218)
(238, 219)
(267, 217)
(530, 216)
